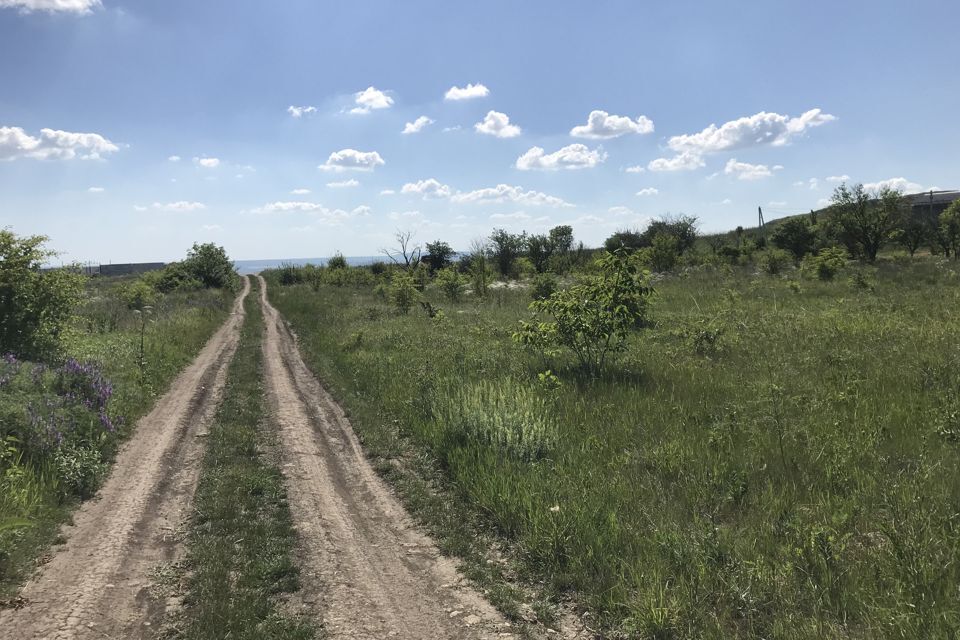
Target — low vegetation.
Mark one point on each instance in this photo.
(83, 359)
(771, 453)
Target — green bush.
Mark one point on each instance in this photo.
(663, 252)
(337, 262)
(452, 283)
(773, 261)
(542, 286)
(825, 264)
(81, 469)
(403, 291)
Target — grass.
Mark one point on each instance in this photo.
(103, 331)
(775, 457)
(240, 545)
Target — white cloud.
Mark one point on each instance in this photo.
(843, 178)
(138, 207)
(429, 188)
(649, 191)
(180, 206)
(574, 156)
(726, 201)
(174, 159)
(466, 93)
(405, 215)
(417, 125)
(207, 163)
(508, 193)
(96, 190)
(387, 192)
(299, 112)
(635, 169)
(601, 126)
(351, 159)
(323, 214)
(370, 99)
(300, 192)
(497, 124)
(211, 227)
(901, 184)
(344, 184)
(814, 184)
(453, 128)
(52, 6)
(519, 215)
(777, 203)
(52, 144)
(621, 211)
(760, 129)
(746, 171)
(680, 162)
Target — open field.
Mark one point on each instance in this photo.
(773, 457)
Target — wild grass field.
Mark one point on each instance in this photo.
(773, 456)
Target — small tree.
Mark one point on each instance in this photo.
(452, 283)
(950, 229)
(664, 252)
(540, 250)
(628, 239)
(406, 253)
(403, 291)
(865, 218)
(561, 239)
(594, 317)
(682, 228)
(479, 268)
(337, 262)
(211, 266)
(439, 254)
(796, 236)
(34, 304)
(912, 233)
(506, 247)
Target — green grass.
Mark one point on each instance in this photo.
(774, 458)
(240, 546)
(103, 331)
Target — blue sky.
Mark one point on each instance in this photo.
(131, 129)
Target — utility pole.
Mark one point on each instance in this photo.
(760, 221)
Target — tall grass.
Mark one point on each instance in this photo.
(774, 458)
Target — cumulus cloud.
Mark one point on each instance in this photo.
(344, 184)
(207, 163)
(299, 112)
(747, 171)
(300, 192)
(649, 191)
(635, 169)
(351, 159)
(601, 126)
(52, 6)
(574, 156)
(519, 215)
(370, 99)
(96, 190)
(680, 162)
(497, 124)
(508, 193)
(429, 188)
(181, 206)
(899, 184)
(417, 125)
(53, 144)
(466, 93)
(843, 178)
(760, 129)
(322, 213)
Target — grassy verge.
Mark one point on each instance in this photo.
(55, 447)
(240, 545)
(777, 457)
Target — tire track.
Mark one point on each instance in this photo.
(372, 573)
(97, 585)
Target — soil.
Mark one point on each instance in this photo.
(366, 569)
(98, 584)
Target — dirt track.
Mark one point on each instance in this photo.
(96, 586)
(370, 572)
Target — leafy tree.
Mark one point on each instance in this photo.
(561, 239)
(439, 254)
(628, 239)
(683, 228)
(478, 265)
(950, 229)
(34, 304)
(867, 219)
(796, 236)
(592, 318)
(506, 247)
(337, 261)
(540, 250)
(452, 283)
(912, 233)
(663, 253)
(211, 266)
(403, 291)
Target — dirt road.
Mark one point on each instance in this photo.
(96, 586)
(370, 572)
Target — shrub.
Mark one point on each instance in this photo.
(663, 253)
(773, 261)
(543, 286)
(452, 283)
(210, 265)
(403, 291)
(289, 274)
(796, 236)
(138, 295)
(337, 262)
(592, 318)
(35, 305)
(80, 469)
(826, 264)
(949, 229)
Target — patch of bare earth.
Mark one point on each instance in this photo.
(369, 571)
(98, 584)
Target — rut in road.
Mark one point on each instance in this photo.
(97, 585)
(372, 573)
